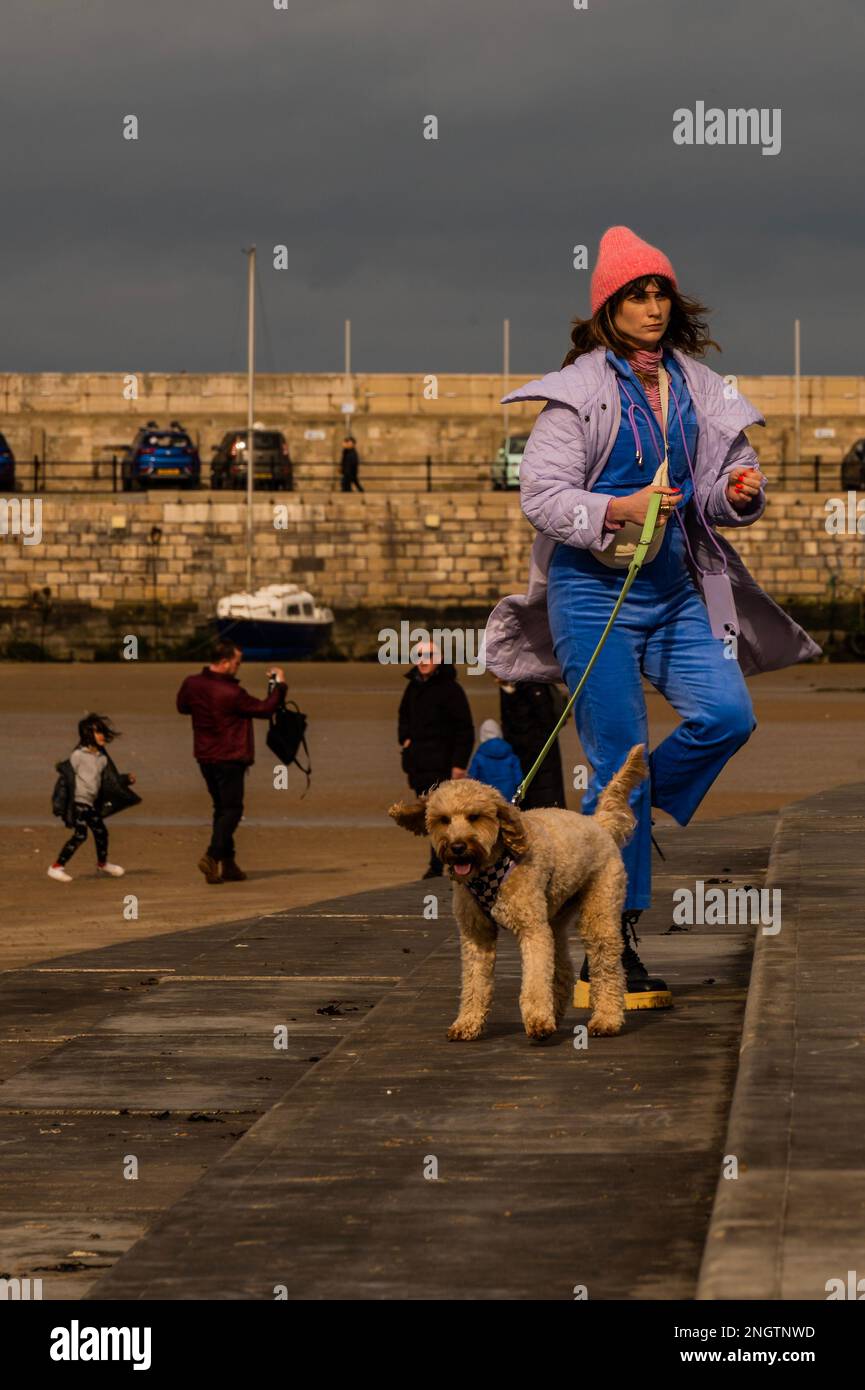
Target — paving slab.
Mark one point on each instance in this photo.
(163, 1050)
(405, 1166)
(794, 1217)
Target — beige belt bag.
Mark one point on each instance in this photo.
(620, 553)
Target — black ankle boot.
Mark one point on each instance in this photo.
(637, 978)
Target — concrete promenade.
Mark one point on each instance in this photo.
(370, 1158)
(795, 1217)
(305, 1167)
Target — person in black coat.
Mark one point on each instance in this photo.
(349, 465)
(434, 728)
(529, 711)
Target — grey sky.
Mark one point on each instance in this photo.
(304, 127)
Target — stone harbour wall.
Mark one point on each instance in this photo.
(167, 559)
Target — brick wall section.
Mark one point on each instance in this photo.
(353, 551)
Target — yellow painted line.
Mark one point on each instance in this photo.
(39, 1112)
(97, 970)
(69, 1038)
(302, 979)
(298, 912)
(241, 979)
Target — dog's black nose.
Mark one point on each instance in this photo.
(458, 848)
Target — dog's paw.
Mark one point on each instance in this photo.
(539, 1026)
(465, 1030)
(600, 1027)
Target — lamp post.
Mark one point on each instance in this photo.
(250, 409)
(797, 367)
(506, 372)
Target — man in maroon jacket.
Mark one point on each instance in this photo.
(222, 714)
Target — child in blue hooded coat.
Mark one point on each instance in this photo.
(495, 762)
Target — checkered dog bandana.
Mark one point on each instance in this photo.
(484, 887)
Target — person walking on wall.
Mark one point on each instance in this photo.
(633, 412)
(349, 465)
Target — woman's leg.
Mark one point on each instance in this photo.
(610, 713)
(689, 667)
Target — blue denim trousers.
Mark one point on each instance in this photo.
(662, 632)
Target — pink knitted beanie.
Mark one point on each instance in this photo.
(623, 256)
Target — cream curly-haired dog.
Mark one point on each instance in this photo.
(537, 873)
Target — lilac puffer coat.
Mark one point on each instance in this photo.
(569, 444)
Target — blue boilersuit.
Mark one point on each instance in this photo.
(662, 632)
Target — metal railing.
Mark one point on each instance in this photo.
(106, 475)
(427, 475)
(814, 474)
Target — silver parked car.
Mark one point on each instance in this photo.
(506, 469)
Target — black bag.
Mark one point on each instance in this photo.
(115, 793)
(286, 735)
(61, 799)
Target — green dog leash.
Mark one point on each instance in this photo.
(643, 544)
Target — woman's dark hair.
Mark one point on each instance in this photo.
(93, 723)
(686, 330)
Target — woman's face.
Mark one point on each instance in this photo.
(643, 315)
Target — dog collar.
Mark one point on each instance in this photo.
(484, 886)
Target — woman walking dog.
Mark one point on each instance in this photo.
(630, 414)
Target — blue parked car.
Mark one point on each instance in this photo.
(7, 466)
(161, 456)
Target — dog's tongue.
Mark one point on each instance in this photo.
(462, 869)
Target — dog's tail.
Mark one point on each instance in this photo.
(613, 809)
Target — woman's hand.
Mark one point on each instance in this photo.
(634, 505)
(743, 486)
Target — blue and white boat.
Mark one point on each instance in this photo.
(279, 622)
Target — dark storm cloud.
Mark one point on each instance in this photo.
(304, 127)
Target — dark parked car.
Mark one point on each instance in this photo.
(161, 456)
(853, 467)
(7, 466)
(272, 465)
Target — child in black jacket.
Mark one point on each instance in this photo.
(88, 789)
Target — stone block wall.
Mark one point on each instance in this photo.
(376, 553)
